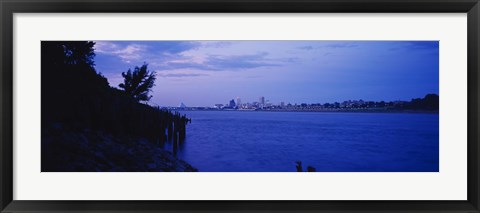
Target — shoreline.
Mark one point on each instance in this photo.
(321, 111)
(65, 150)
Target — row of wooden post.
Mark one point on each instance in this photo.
(177, 130)
(300, 168)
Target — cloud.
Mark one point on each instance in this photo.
(416, 45)
(132, 51)
(290, 59)
(226, 63)
(172, 47)
(126, 53)
(306, 47)
(240, 61)
(186, 65)
(329, 45)
(190, 55)
(341, 45)
(105, 46)
(422, 44)
(180, 75)
(216, 44)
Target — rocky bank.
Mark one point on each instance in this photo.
(95, 151)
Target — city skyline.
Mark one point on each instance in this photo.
(203, 73)
(263, 102)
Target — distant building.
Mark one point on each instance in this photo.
(239, 102)
(261, 100)
(231, 104)
(182, 106)
(218, 106)
(268, 104)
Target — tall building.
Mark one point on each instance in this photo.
(231, 104)
(261, 100)
(239, 102)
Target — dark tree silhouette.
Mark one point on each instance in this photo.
(77, 100)
(138, 83)
(430, 102)
(79, 52)
(62, 53)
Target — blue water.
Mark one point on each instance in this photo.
(253, 141)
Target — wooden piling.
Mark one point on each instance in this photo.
(299, 166)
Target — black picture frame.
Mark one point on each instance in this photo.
(9, 7)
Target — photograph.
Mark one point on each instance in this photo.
(240, 106)
(251, 106)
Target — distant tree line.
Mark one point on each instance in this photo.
(429, 103)
(75, 96)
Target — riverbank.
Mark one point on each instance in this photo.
(95, 151)
(325, 110)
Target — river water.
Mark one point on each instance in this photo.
(259, 141)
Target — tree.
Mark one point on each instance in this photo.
(58, 53)
(80, 52)
(138, 83)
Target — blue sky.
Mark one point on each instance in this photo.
(204, 73)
